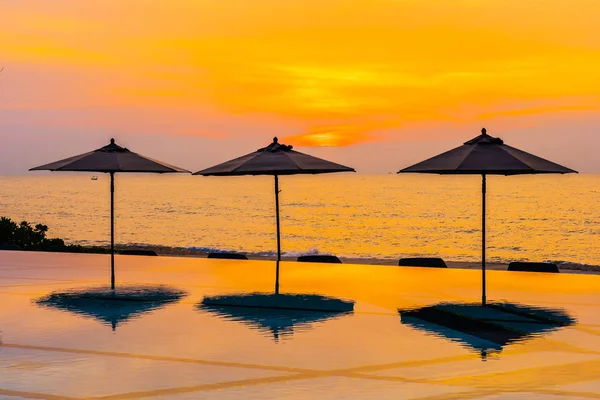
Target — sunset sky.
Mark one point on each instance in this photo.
(374, 84)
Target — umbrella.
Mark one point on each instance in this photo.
(486, 155)
(275, 159)
(111, 158)
(487, 328)
(109, 306)
(259, 314)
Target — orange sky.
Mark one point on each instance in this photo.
(399, 78)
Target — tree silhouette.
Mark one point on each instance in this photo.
(26, 236)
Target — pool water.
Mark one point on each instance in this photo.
(414, 333)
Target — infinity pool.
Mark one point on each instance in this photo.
(415, 333)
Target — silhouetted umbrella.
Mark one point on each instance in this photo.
(486, 155)
(275, 159)
(256, 310)
(486, 328)
(109, 306)
(110, 159)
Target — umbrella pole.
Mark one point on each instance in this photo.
(277, 215)
(112, 230)
(278, 234)
(483, 191)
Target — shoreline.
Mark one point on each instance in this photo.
(186, 252)
(167, 251)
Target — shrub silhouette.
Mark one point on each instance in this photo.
(7, 230)
(25, 236)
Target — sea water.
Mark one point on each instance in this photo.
(538, 218)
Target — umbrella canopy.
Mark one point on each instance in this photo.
(275, 159)
(111, 159)
(486, 329)
(486, 155)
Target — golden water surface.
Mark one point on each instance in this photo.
(384, 216)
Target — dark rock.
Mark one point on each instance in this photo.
(533, 267)
(430, 262)
(229, 256)
(320, 259)
(138, 252)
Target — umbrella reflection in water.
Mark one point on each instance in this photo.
(486, 329)
(112, 307)
(257, 310)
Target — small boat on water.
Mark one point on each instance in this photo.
(94, 178)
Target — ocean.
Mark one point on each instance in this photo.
(536, 218)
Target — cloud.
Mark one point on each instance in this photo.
(542, 109)
(343, 135)
(329, 71)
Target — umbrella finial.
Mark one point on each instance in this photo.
(483, 131)
(113, 147)
(276, 146)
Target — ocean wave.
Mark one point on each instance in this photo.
(212, 250)
(309, 252)
(570, 263)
